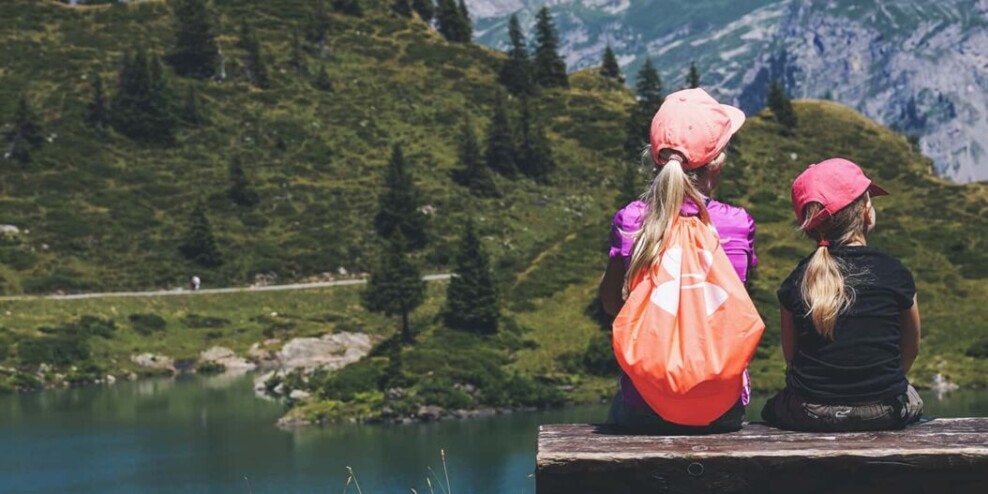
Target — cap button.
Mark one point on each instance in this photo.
(682, 98)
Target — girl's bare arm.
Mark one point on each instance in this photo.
(909, 334)
(788, 335)
(611, 286)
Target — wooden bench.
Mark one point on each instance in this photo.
(940, 456)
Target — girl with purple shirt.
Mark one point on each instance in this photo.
(688, 137)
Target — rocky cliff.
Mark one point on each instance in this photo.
(919, 67)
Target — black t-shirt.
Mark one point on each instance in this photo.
(861, 363)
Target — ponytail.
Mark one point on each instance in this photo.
(670, 188)
(825, 291)
(826, 286)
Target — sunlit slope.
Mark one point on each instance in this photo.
(104, 212)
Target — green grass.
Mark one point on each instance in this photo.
(191, 323)
(106, 213)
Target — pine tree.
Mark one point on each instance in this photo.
(322, 82)
(160, 113)
(195, 51)
(297, 60)
(241, 191)
(398, 207)
(348, 7)
(141, 107)
(257, 73)
(450, 22)
(402, 8)
(395, 287)
(550, 69)
(318, 26)
(96, 112)
(778, 102)
(474, 173)
(425, 9)
(199, 245)
(693, 77)
(648, 86)
(516, 73)
(466, 24)
(191, 109)
(471, 297)
(534, 153)
(500, 152)
(610, 68)
(25, 135)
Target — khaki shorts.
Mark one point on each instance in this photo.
(788, 410)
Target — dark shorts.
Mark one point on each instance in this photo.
(641, 419)
(788, 410)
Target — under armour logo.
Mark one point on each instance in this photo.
(666, 295)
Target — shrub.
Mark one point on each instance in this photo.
(978, 349)
(365, 375)
(97, 326)
(59, 350)
(210, 367)
(599, 359)
(18, 258)
(146, 324)
(441, 392)
(198, 322)
(24, 382)
(62, 280)
(85, 374)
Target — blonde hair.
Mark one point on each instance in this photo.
(826, 287)
(670, 188)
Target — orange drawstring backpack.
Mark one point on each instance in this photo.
(688, 329)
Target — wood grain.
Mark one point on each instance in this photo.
(945, 455)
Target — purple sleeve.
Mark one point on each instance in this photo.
(626, 223)
(751, 240)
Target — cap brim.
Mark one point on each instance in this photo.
(875, 191)
(736, 115)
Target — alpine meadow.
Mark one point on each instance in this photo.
(131, 165)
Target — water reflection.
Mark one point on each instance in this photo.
(205, 435)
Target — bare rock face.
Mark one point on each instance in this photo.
(153, 361)
(330, 352)
(916, 66)
(226, 357)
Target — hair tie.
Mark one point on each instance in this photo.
(824, 243)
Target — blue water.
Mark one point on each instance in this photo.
(213, 435)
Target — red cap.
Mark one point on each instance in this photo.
(834, 183)
(694, 124)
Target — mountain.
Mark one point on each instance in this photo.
(97, 211)
(918, 67)
(94, 209)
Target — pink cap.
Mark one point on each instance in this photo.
(694, 124)
(835, 183)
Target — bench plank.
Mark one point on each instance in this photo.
(944, 455)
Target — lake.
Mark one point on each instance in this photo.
(213, 435)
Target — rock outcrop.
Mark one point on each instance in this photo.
(917, 66)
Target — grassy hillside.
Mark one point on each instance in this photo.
(104, 212)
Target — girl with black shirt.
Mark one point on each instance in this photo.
(850, 321)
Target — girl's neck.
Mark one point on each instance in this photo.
(856, 241)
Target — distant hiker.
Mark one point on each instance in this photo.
(195, 283)
(678, 247)
(850, 321)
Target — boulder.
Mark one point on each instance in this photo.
(228, 359)
(153, 361)
(299, 395)
(330, 352)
